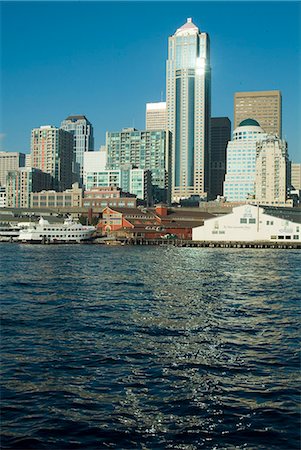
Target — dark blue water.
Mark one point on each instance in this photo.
(149, 348)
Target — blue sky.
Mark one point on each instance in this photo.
(107, 59)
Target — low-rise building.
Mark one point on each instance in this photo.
(100, 197)
(150, 223)
(249, 223)
(52, 199)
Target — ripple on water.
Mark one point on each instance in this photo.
(149, 348)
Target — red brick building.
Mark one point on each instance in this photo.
(151, 223)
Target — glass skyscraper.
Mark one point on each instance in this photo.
(188, 97)
(239, 182)
(83, 141)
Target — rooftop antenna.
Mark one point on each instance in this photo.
(161, 96)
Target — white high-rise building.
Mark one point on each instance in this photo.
(156, 116)
(272, 167)
(188, 87)
(241, 161)
(94, 162)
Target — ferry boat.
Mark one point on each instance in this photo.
(68, 232)
(9, 232)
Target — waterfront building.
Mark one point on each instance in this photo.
(99, 197)
(249, 223)
(272, 172)
(2, 197)
(22, 182)
(151, 223)
(156, 118)
(220, 136)
(296, 176)
(263, 106)
(188, 98)
(52, 199)
(51, 152)
(10, 161)
(148, 150)
(83, 141)
(241, 161)
(94, 162)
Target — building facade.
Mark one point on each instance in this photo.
(10, 161)
(188, 99)
(94, 162)
(239, 184)
(296, 176)
(52, 152)
(2, 197)
(272, 172)
(22, 182)
(220, 136)
(148, 150)
(52, 199)
(83, 141)
(248, 223)
(263, 106)
(133, 180)
(156, 118)
(101, 197)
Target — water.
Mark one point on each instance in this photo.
(149, 348)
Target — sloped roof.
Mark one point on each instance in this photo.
(188, 27)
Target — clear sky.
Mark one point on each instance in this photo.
(107, 59)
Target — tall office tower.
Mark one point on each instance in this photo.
(241, 161)
(83, 141)
(52, 152)
(262, 106)
(10, 161)
(296, 176)
(156, 116)
(22, 182)
(220, 135)
(272, 165)
(188, 86)
(148, 150)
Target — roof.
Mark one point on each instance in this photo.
(188, 27)
(249, 123)
(180, 214)
(128, 212)
(291, 214)
(74, 118)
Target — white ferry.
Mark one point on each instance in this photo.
(45, 233)
(10, 232)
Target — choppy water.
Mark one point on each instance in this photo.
(149, 348)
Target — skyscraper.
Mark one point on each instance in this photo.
(83, 141)
(51, 152)
(156, 116)
(272, 170)
(188, 87)
(241, 161)
(263, 106)
(220, 135)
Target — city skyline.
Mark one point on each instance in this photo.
(63, 73)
